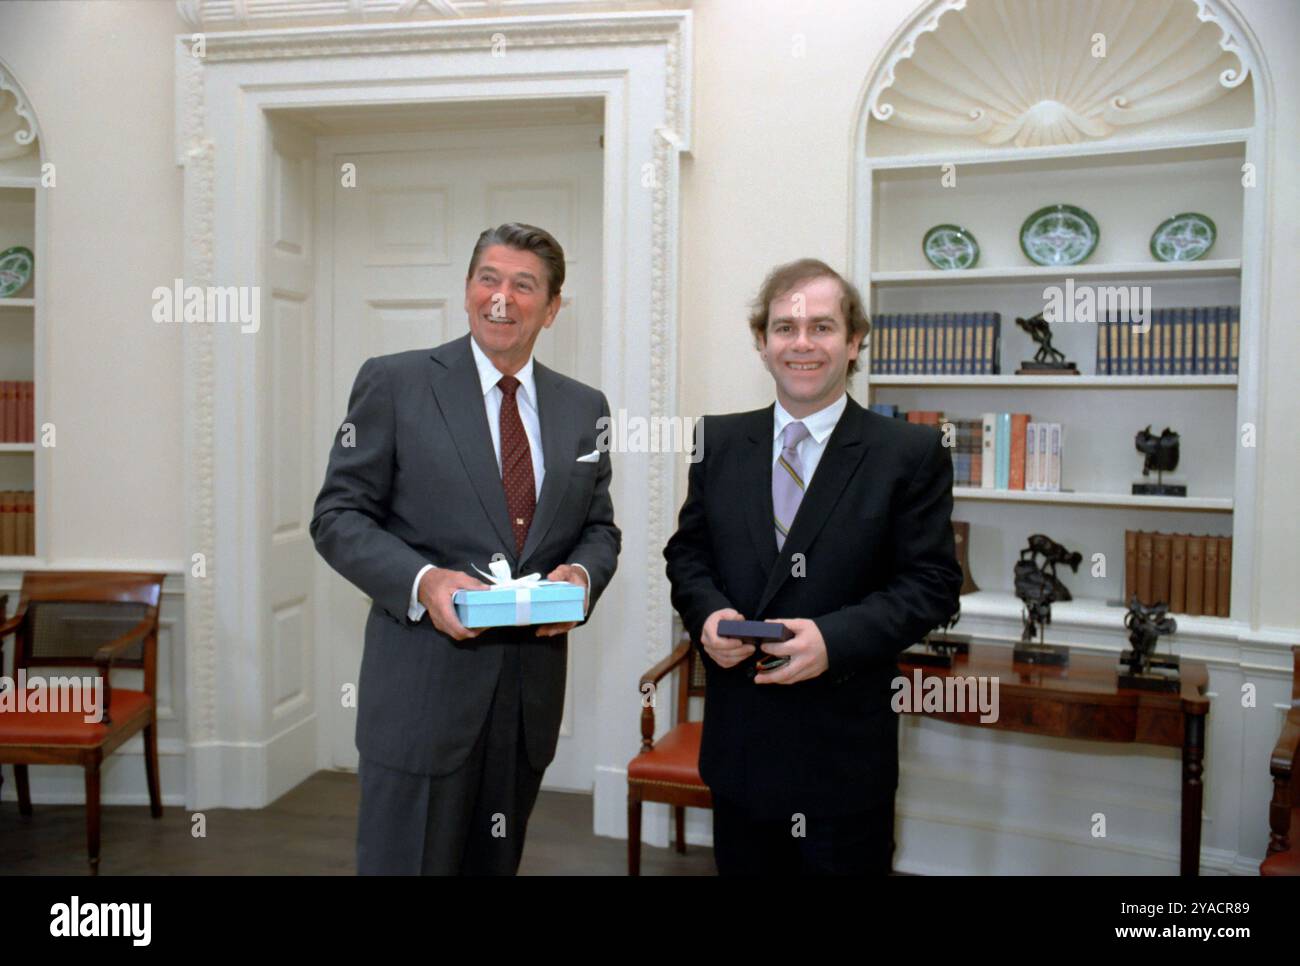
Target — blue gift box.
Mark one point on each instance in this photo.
(545, 602)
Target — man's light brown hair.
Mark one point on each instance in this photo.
(527, 238)
(783, 278)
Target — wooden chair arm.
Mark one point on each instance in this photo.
(1283, 761)
(105, 656)
(652, 677)
(108, 652)
(13, 623)
(660, 670)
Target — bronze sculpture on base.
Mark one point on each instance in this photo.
(939, 646)
(1047, 361)
(1141, 667)
(1038, 587)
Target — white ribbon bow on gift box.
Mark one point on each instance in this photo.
(522, 586)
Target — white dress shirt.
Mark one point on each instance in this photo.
(820, 425)
(526, 400)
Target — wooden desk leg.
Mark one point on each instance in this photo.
(1193, 792)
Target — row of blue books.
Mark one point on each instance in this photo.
(936, 343)
(1197, 341)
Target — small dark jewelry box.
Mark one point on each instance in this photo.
(756, 633)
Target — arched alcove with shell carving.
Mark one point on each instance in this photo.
(1033, 74)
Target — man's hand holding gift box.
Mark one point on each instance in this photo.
(437, 587)
(572, 575)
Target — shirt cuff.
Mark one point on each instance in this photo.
(415, 610)
(585, 573)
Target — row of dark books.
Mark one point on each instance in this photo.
(1003, 451)
(1191, 573)
(17, 408)
(17, 523)
(1197, 341)
(936, 343)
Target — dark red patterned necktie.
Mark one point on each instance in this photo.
(516, 464)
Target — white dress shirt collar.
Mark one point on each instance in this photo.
(820, 424)
(489, 375)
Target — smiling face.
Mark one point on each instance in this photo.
(807, 346)
(508, 304)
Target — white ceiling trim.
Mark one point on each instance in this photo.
(255, 14)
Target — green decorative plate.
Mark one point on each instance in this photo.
(1183, 238)
(16, 266)
(949, 247)
(1059, 235)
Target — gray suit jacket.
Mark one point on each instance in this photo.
(421, 485)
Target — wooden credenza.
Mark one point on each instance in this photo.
(1083, 700)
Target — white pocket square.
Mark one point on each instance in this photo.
(592, 457)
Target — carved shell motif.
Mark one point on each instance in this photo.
(1040, 72)
(17, 135)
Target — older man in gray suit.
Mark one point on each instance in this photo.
(448, 458)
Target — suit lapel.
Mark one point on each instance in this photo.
(756, 472)
(844, 452)
(459, 397)
(559, 443)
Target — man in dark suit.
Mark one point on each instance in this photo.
(447, 459)
(836, 522)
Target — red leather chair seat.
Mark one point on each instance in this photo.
(69, 727)
(1285, 863)
(675, 758)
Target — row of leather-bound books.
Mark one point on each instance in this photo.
(1198, 340)
(1190, 573)
(936, 343)
(17, 523)
(17, 405)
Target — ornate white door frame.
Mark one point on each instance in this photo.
(639, 64)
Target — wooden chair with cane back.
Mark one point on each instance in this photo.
(88, 619)
(667, 770)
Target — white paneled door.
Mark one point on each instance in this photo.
(287, 389)
(402, 224)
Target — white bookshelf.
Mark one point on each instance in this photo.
(1129, 185)
(1084, 498)
(22, 220)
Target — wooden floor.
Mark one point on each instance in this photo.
(309, 831)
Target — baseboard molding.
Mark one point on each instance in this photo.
(609, 812)
(251, 774)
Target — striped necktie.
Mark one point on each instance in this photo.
(787, 480)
